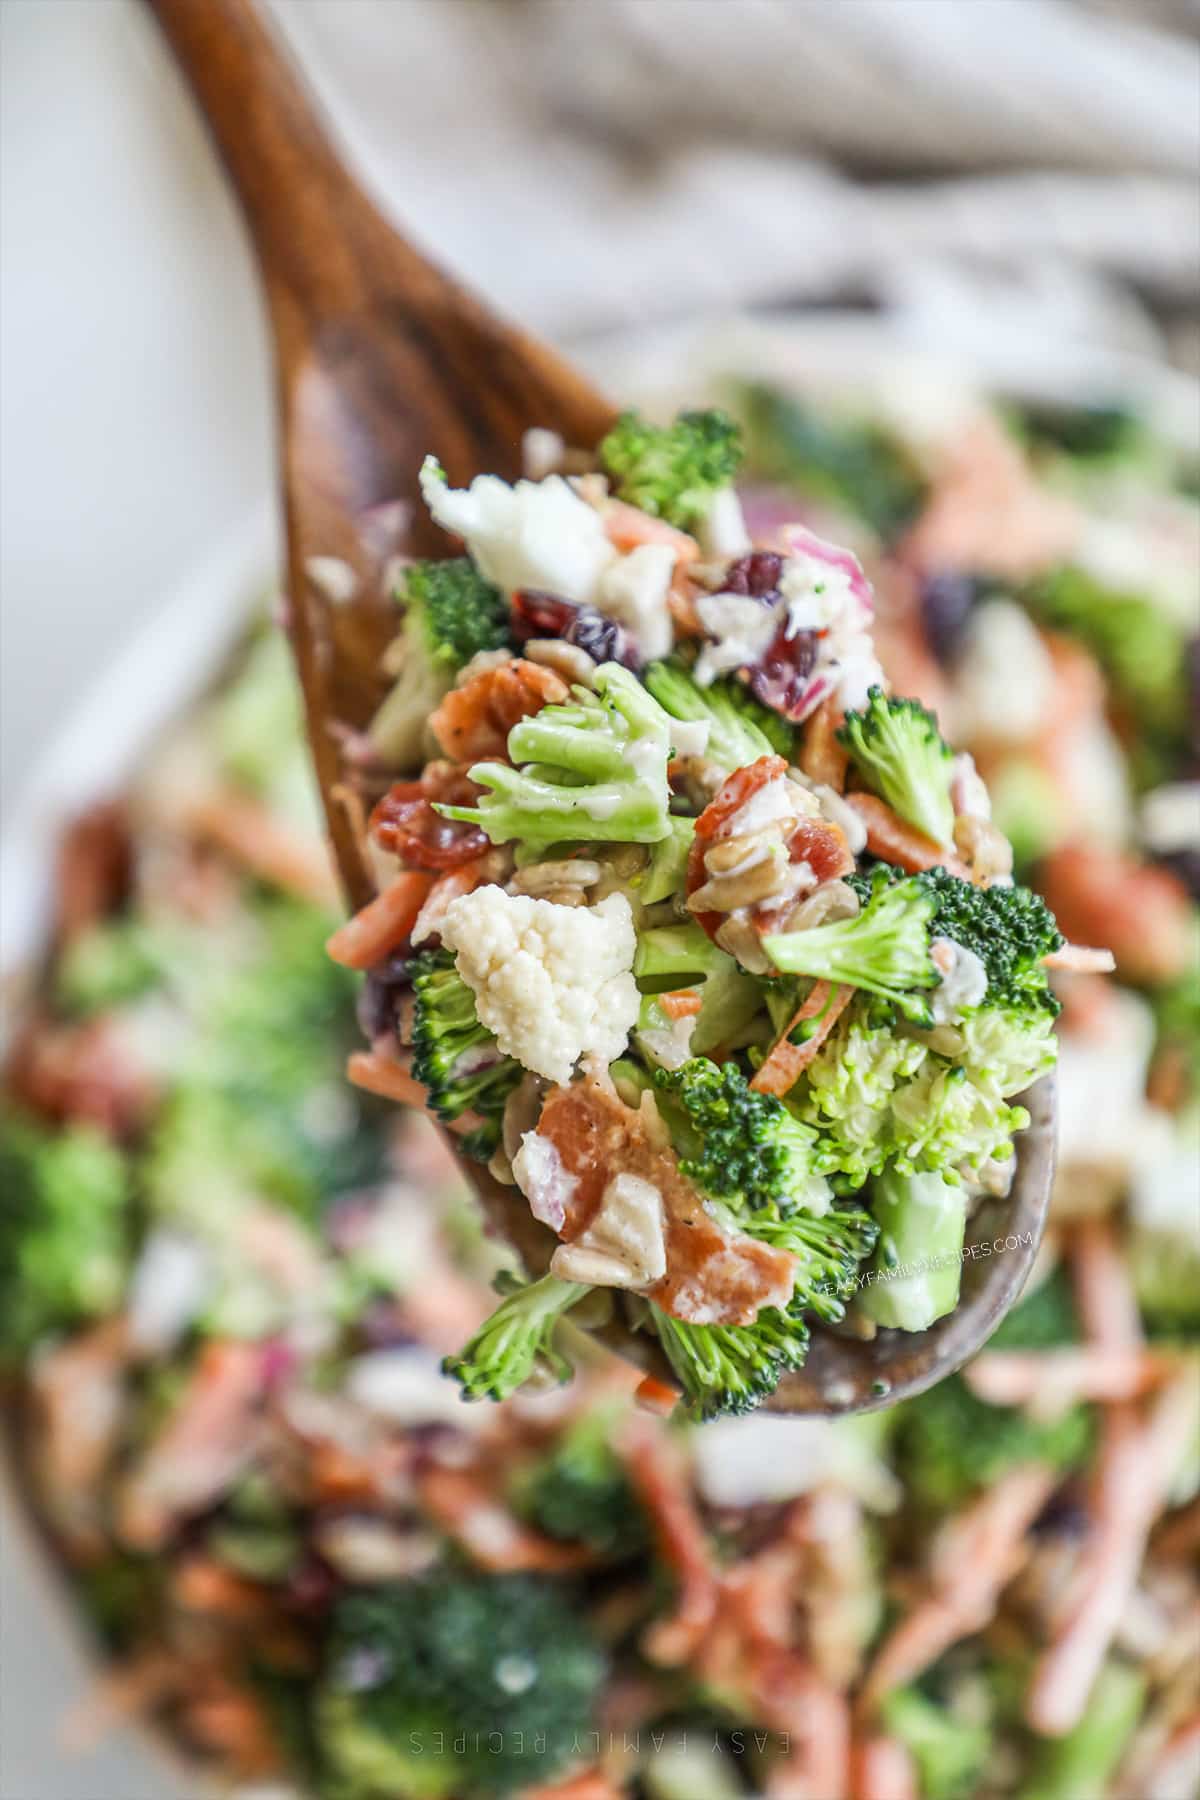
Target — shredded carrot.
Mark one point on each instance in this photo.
(248, 832)
(382, 924)
(785, 1063)
(1048, 1381)
(881, 1768)
(684, 1003)
(973, 1560)
(447, 888)
(893, 840)
(380, 1075)
(1137, 1465)
(655, 1396)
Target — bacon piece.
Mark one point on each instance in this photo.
(784, 1064)
(893, 840)
(405, 822)
(95, 867)
(209, 1437)
(383, 924)
(715, 820)
(474, 720)
(713, 1277)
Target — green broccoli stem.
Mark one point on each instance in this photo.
(501, 1356)
(914, 1275)
(595, 771)
(739, 730)
(884, 950)
(1080, 1765)
(726, 1370)
(666, 873)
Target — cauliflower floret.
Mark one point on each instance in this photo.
(634, 591)
(535, 534)
(553, 983)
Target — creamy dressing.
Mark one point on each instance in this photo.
(964, 980)
(766, 806)
(544, 1180)
(741, 630)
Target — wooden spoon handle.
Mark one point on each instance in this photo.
(303, 210)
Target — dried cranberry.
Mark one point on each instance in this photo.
(600, 638)
(405, 823)
(946, 602)
(756, 575)
(781, 679)
(1185, 864)
(535, 614)
(545, 615)
(380, 993)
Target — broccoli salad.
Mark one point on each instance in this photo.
(689, 928)
(226, 1284)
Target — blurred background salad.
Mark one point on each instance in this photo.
(226, 1280)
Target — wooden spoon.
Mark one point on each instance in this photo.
(381, 358)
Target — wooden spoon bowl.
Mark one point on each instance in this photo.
(381, 359)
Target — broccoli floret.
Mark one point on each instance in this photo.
(579, 1492)
(595, 770)
(1098, 431)
(1141, 650)
(673, 471)
(855, 464)
(454, 1056)
(1043, 1317)
(110, 964)
(950, 1445)
(514, 1339)
(1010, 930)
(261, 1100)
(739, 729)
(830, 1250)
(730, 1369)
(884, 950)
(899, 752)
(666, 872)
(949, 1751)
(450, 614)
(63, 1223)
(455, 1683)
(743, 1148)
